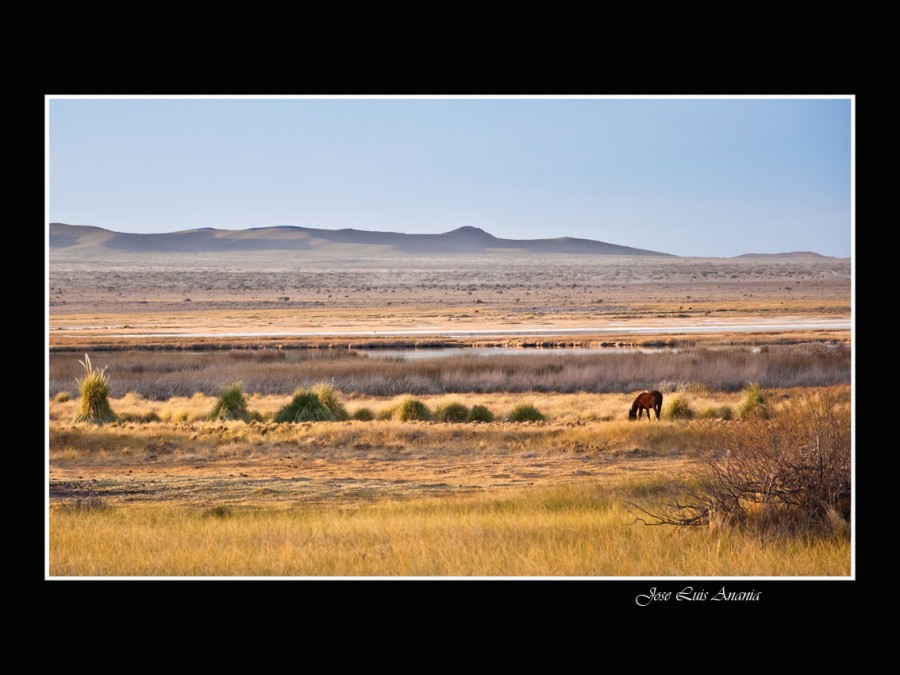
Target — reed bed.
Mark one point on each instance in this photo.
(164, 375)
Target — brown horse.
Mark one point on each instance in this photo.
(648, 400)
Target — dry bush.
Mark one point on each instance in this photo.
(788, 474)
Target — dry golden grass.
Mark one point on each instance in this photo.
(557, 408)
(571, 530)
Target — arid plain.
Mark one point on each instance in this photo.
(174, 328)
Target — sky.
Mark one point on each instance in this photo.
(692, 177)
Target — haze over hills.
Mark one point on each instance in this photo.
(290, 238)
(808, 255)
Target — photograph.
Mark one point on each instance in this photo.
(461, 337)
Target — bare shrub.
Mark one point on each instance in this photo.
(788, 474)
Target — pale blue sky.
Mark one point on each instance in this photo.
(689, 177)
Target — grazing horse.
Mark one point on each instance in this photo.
(649, 400)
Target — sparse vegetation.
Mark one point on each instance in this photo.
(62, 397)
(94, 388)
(231, 405)
(479, 413)
(451, 412)
(678, 408)
(526, 412)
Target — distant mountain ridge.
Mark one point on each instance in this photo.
(465, 239)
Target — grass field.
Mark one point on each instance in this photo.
(568, 530)
(164, 491)
(393, 498)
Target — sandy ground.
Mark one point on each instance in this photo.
(272, 297)
(365, 477)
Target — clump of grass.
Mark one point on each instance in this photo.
(480, 413)
(712, 412)
(231, 405)
(317, 405)
(411, 409)
(329, 399)
(451, 412)
(755, 404)
(94, 388)
(180, 415)
(525, 412)
(679, 409)
(306, 406)
(363, 414)
(62, 397)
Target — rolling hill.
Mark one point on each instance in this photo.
(289, 238)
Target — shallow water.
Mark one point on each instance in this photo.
(443, 352)
(613, 328)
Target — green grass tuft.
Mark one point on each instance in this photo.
(525, 412)
(411, 409)
(363, 414)
(306, 406)
(679, 409)
(755, 405)
(329, 400)
(317, 405)
(451, 412)
(480, 413)
(231, 405)
(94, 388)
(62, 397)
